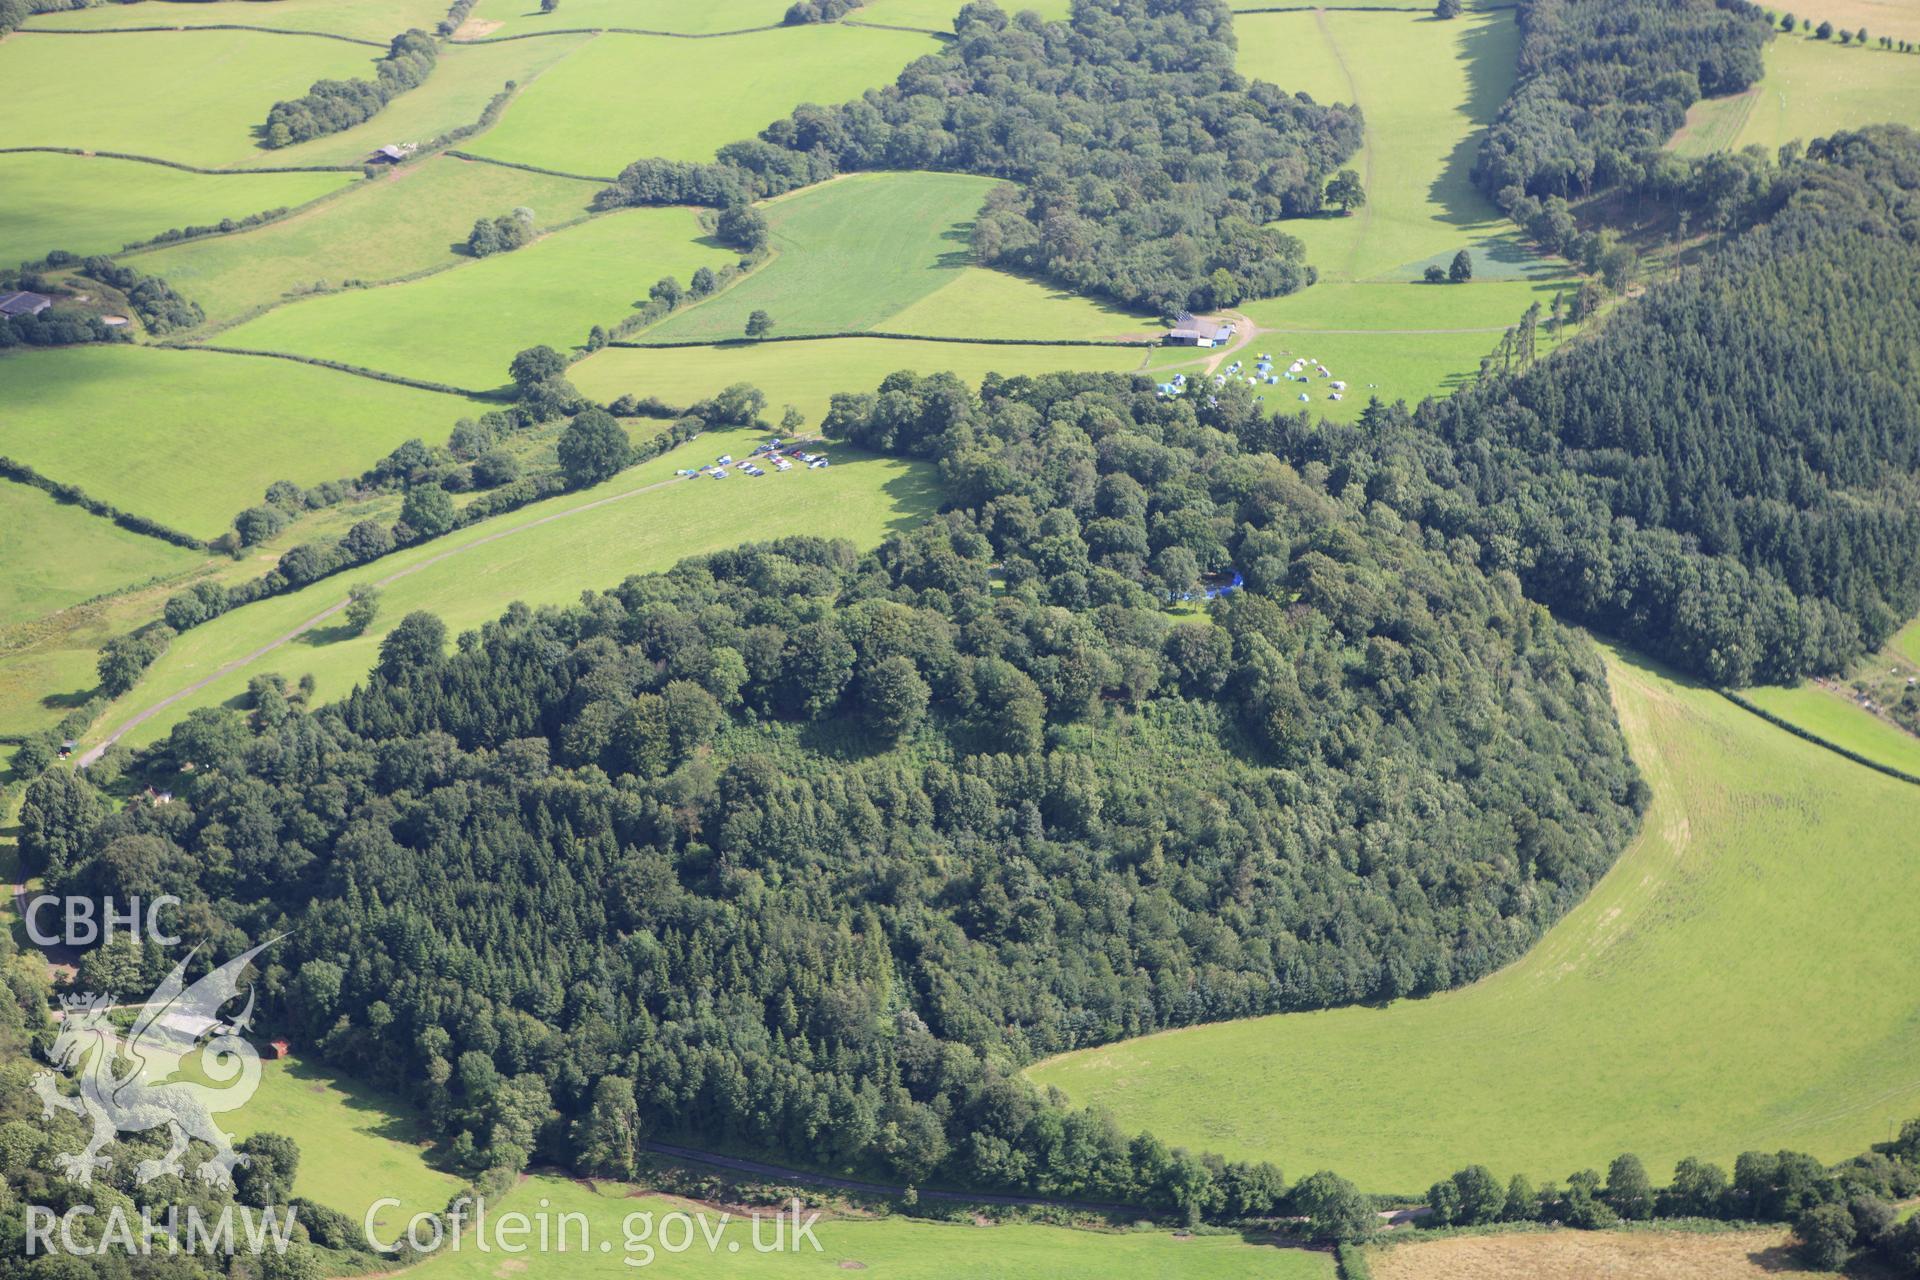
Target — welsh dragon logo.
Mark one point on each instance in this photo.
(123, 1084)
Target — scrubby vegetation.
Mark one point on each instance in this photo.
(1148, 165)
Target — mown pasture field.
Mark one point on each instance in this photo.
(1427, 88)
(189, 438)
(463, 326)
(357, 1144)
(1812, 88)
(1394, 341)
(807, 374)
(406, 221)
(464, 81)
(498, 19)
(1579, 1255)
(983, 302)
(625, 97)
(90, 204)
(1906, 642)
(1721, 989)
(362, 19)
(895, 1247)
(104, 92)
(640, 521)
(848, 254)
(53, 555)
(1836, 718)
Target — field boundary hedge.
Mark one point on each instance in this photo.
(338, 366)
(1350, 1263)
(183, 167)
(209, 26)
(74, 495)
(624, 31)
(528, 168)
(679, 343)
(894, 26)
(1799, 732)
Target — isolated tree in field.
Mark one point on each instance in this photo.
(427, 511)
(592, 448)
(363, 606)
(1435, 274)
(1861, 35)
(1824, 31)
(791, 420)
(484, 240)
(536, 365)
(1346, 191)
(1447, 9)
(548, 6)
(759, 324)
(742, 226)
(1462, 269)
(416, 642)
(1788, 23)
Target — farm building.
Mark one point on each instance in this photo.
(1190, 330)
(23, 304)
(393, 153)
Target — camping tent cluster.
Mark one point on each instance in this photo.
(776, 453)
(1263, 375)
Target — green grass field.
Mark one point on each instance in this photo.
(807, 374)
(1427, 88)
(364, 19)
(532, 557)
(982, 301)
(849, 254)
(894, 1247)
(1836, 719)
(189, 438)
(409, 220)
(1394, 341)
(1812, 88)
(623, 97)
(357, 1144)
(523, 17)
(94, 205)
(53, 555)
(103, 92)
(1723, 988)
(463, 82)
(464, 326)
(891, 251)
(1906, 642)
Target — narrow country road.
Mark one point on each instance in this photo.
(140, 717)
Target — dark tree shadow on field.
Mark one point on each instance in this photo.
(955, 259)
(332, 634)
(1490, 71)
(69, 701)
(392, 1124)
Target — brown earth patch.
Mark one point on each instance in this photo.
(1593, 1255)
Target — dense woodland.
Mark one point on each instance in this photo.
(809, 851)
(1148, 165)
(1727, 474)
(1604, 83)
